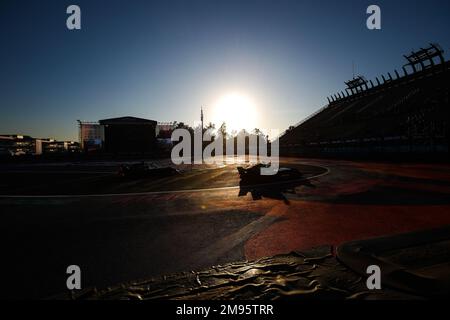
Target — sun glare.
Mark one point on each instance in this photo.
(238, 111)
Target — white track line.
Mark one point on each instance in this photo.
(58, 172)
(102, 195)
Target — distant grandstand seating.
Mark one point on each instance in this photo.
(400, 114)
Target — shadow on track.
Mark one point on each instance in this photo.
(272, 191)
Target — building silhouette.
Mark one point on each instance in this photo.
(129, 135)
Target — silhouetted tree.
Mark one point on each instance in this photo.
(182, 125)
(257, 131)
(223, 130)
(210, 126)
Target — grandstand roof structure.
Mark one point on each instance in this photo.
(400, 112)
(422, 56)
(356, 82)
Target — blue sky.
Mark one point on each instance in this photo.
(164, 59)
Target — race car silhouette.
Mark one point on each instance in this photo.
(144, 170)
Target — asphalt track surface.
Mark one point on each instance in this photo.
(118, 231)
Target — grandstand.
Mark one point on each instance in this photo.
(400, 114)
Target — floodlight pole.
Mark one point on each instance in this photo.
(201, 129)
(201, 116)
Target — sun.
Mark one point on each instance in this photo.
(237, 110)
